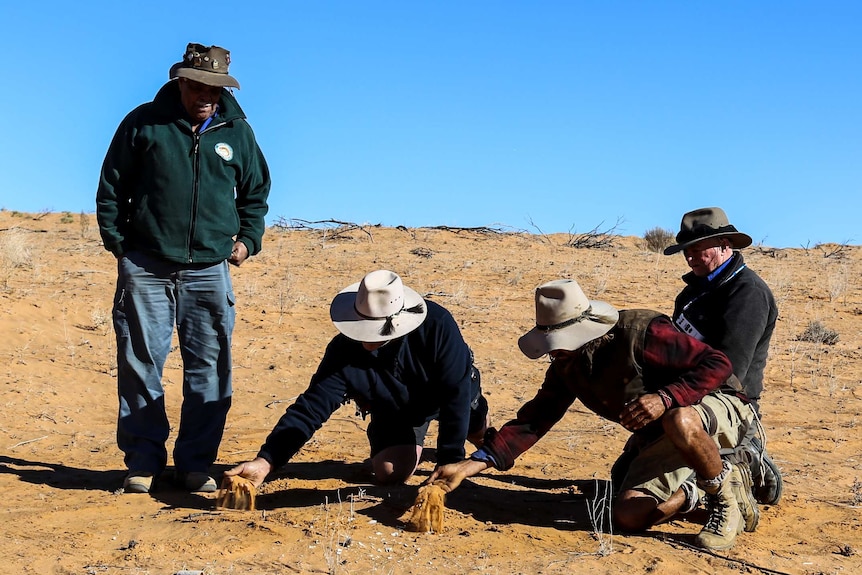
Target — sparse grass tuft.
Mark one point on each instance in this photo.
(422, 252)
(84, 220)
(856, 491)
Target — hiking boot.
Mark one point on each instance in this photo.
(740, 481)
(195, 482)
(138, 482)
(765, 475)
(725, 521)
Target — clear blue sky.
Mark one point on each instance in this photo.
(553, 116)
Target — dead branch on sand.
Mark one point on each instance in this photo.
(676, 542)
(333, 229)
(595, 238)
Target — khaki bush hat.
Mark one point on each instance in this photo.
(703, 224)
(378, 308)
(566, 319)
(205, 64)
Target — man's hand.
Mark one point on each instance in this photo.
(642, 411)
(450, 476)
(239, 254)
(255, 470)
(236, 492)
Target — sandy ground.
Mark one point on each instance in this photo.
(64, 511)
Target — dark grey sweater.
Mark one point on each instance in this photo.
(735, 312)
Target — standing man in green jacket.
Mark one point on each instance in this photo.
(182, 193)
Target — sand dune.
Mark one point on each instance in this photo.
(61, 469)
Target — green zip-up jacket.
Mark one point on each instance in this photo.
(182, 196)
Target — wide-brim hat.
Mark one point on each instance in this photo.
(707, 223)
(566, 319)
(205, 64)
(378, 308)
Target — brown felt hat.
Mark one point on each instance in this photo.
(205, 64)
(707, 223)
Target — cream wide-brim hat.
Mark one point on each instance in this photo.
(378, 308)
(566, 319)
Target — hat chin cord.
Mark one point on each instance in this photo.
(586, 314)
(386, 329)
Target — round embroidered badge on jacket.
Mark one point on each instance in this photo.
(225, 151)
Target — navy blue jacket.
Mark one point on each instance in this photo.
(421, 376)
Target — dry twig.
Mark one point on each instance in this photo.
(20, 443)
(333, 229)
(676, 542)
(595, 238)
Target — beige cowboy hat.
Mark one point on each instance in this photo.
(703, 224)
(566, 319)
(205, 64)
(378, 308)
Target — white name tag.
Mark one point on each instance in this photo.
(685, 325)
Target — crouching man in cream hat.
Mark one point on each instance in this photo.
(677, 395)
(402, 359)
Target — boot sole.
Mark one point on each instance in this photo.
(748, 523)
(770, 494)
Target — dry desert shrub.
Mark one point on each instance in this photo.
(837, 283)
(596, 238)
(816, 332)
(14, 249)
(835, 251)
(657, 239)
(15, 253)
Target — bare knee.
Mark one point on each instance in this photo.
(681, 422)
(634, 511)
(395, 464)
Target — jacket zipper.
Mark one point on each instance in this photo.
(195, 193)
(196, 186)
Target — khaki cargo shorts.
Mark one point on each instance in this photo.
(660, 469)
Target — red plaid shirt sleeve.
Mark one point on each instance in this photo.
(684, 367)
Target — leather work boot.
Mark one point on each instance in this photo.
(740, 481)
(195, 482)
(138, 482)
(725, 521)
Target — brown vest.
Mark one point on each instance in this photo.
(609, 374)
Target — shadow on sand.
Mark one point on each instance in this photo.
(534, 501)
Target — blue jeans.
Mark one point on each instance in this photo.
(152, 295)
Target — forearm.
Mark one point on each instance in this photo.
(449, 477)
(698, 369)
(300, 421)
